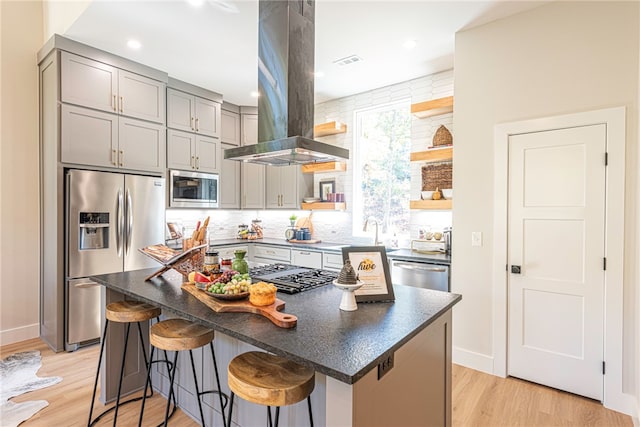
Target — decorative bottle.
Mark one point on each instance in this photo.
(239, 264)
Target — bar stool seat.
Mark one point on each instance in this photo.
(179, 335)
(269, 380)
(126, 312)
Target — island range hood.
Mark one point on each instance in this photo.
(286, 43)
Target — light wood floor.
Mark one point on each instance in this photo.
(478, 399)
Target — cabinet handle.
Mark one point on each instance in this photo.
(113, 158)
(122, 104)
(304, 253)
(193, 162)
(121, 157)
(115, 103)
(192, 128)
(197, 125)
(197, 162)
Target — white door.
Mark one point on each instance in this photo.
(556, 239)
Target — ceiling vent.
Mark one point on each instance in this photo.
(348, 60)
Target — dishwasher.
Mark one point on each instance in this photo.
(420, 274)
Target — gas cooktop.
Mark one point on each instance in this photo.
(292, 279)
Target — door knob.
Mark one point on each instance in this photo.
(515, 269)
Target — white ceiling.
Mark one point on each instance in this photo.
(215, 46)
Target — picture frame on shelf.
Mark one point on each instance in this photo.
(326, 187)
(372, 267)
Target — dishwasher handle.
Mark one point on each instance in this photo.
(417, 266)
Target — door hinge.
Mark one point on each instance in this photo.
(606, 158)
(603, 368)
(604, 263)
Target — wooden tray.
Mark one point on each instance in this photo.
(304, 241)
(272, 312)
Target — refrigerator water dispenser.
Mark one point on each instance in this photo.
(94, 230)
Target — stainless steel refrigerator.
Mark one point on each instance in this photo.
(109, 216)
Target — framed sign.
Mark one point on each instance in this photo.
(372, 268)
(326, 188)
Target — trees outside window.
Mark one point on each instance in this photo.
(382, 175)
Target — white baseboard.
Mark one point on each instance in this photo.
(10, 336)
(473, 360)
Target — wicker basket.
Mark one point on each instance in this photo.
(437, 175)
(442, 137)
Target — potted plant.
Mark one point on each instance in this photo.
(293, 218)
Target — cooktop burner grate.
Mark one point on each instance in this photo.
(292, 279)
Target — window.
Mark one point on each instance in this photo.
(382, 175)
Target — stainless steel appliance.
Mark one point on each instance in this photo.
(420, 274)
(108, 217)
(193, 189)
(286, 34)
(292, 279)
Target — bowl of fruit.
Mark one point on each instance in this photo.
(230, 285)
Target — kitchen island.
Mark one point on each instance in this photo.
(409, 341)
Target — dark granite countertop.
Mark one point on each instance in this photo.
(339, 344)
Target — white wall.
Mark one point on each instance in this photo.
(560, 58)
(20, 38)
(60, 14)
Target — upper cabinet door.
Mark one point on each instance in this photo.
(181, 152)
(230, 128)
(142, 145)
(141, 97)
(249, 129)
(89, 83)
(207, 117)
(181, 112)
(88, 137)
(207, 152)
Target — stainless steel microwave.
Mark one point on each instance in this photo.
(193, 189)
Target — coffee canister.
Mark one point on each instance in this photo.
(306, 234)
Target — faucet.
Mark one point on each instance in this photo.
(376, 242)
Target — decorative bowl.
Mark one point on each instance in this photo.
(229, 297)
(447, 193)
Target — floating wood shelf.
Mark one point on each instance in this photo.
(324, 167)
(433, 155)
(431, 108)
(324, 206)
(431, 204)
(329, 128)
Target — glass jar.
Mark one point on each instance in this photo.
(211, 260)
(256, 226)
(239, 264)
(243, 231)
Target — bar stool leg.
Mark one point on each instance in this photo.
(310, 413)
(146, 384)
(144, 354)
(233, 395)
(220, 395)
(95, 384)
(172, 376)
(195, 382)
(124, 357)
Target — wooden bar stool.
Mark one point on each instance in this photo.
(178, 335)
(270, 380)
(123, 312)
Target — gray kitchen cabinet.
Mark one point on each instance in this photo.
(332, 261)
(100, 86)
(253, 175)
(269, 254)
(94, 138)
(192, 113)
(229, 180)
(282, 187)
(230, 127)
(305, 258)
(189, 151)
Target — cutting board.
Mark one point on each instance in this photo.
(304, 241)
(272, 312)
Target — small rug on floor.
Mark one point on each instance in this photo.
(18, 376)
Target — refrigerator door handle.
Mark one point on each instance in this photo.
(129, 230)
(119, 223)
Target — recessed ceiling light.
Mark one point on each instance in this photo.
(195, 3)
(134, 44)
(409, 44)
(255, 94)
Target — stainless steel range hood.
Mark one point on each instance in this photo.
(286, 42)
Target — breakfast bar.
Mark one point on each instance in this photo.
(383, 364)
